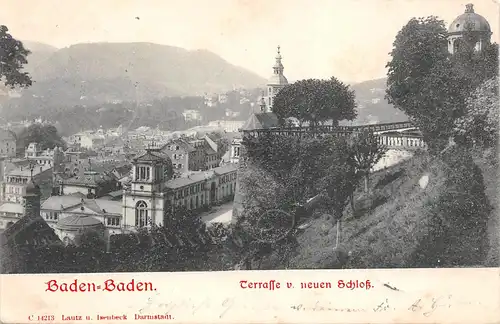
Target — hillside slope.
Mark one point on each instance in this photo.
(372, 106)
(130, 71)
(400, 224)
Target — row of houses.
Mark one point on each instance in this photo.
(152, 196)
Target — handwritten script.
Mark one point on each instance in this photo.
(425, 306)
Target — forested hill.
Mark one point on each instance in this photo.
(105, 72)
(372, 105)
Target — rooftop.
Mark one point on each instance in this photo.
(75, 222)
(65, 202)
(191, 179)
(10, 207)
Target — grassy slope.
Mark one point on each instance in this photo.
(388, 224)
(491, 177)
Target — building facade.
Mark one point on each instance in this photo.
(154, 194)
(69, 216)
(7, 143)
(51, 157)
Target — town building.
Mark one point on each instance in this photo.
(469, 29)
(52, 157)
(7, 143)
(29, 232)
(15, 181)
(90, 183)
(235, 150)
(69, 216)
(192, 115)
(154, 194)
(227, 125)
(182, 153)
(195, 154)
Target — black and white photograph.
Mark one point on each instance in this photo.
(169, 136)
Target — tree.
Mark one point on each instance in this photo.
(424, 83)
(366, 151)
(12, 58)
(338, 181)
(418, 47)
(45, 135)
(90, 250)
(480, 123)
(479, 65)
(316, 102)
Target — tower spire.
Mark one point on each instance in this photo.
(278, 66)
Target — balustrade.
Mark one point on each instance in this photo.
(392, 140)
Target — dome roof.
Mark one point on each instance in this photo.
(76, 222)
(469, 21)
(277, 79)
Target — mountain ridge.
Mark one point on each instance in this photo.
(149, 70)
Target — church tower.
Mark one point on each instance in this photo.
(276, 82)
(31, 198)
(144, 202)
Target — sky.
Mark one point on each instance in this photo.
(348, 39)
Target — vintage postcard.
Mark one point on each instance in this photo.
(235, 161)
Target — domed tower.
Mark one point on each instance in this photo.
(276, 82)
(145, 201)
(31, 198)
(469, 29)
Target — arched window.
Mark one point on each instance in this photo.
(141, 214)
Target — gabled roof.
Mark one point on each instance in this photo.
(151, 156)
(189, 180)
(28, 229)
(88, 179)
(261, 121)
(226, 168)
(11, 207)
(182, 143)
(66, 202)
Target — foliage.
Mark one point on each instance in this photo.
(479, 65)
(12, 58)
(339, 180)
(283, 172)
(166, 113)
(480, 123)
(418, 47)
(365, 151)
(316, 101)
(419, 52)
(45, 135)
(430, 86)
(458, 216)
